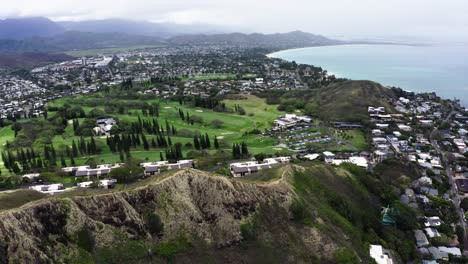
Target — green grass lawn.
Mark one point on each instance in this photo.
(93, 52)
(258, 112)
(355, 137)
(259, 115)
(214, 76)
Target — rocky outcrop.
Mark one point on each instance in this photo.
(190, 201)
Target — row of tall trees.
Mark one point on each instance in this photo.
(202, 142)
(239, 109)
(127, 84)
(151, 110)
(240, 151)
(26, 159)
(124, 142)
(187, 118)
(152, 127)
(82, 147)
(174, 153)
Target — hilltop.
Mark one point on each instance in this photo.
(311, 213)
(348, 101)
(341, 100)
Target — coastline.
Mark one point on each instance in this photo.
(463, 101)
(355, 43)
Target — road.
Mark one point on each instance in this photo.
(456, 196)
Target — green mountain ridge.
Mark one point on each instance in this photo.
(313, 214)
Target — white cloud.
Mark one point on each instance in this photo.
(331, 17)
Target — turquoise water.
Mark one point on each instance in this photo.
(442, 69)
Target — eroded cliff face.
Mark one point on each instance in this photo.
(211, 208)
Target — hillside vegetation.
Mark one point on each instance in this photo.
(343, 100)
(313, 214)
(349, 100)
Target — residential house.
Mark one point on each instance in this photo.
(153, 168)
(239, 169)
(421, 239)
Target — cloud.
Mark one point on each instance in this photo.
(331, 17)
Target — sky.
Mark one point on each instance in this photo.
(425, 19)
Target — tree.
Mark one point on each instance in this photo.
(128, 173)
(63, 162)
(216, 143)
(244, 150)
(154, 223)
(16, 168)
(145, 142)
(91, 162)
(207, 141)
(464, 204)
(260, 157)
(196, 142)
(236, 152)
(16, 128)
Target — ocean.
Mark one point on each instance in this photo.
(440, 69)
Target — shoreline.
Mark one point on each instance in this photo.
(270, 55)
(276, 55)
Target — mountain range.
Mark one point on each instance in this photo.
(43, 35)
(23, 28)
(24, 38)
(145, 28)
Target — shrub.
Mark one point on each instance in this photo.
(196, 119)
(464, 204)
(127, 173)
(154, 223)
(300, 213)
(345, 255)
(248, 231)
(85, 239)
(171, 248)
(217, 123)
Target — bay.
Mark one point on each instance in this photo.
(440, 69)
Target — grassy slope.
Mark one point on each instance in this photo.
(348, 101)
(17, 198)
